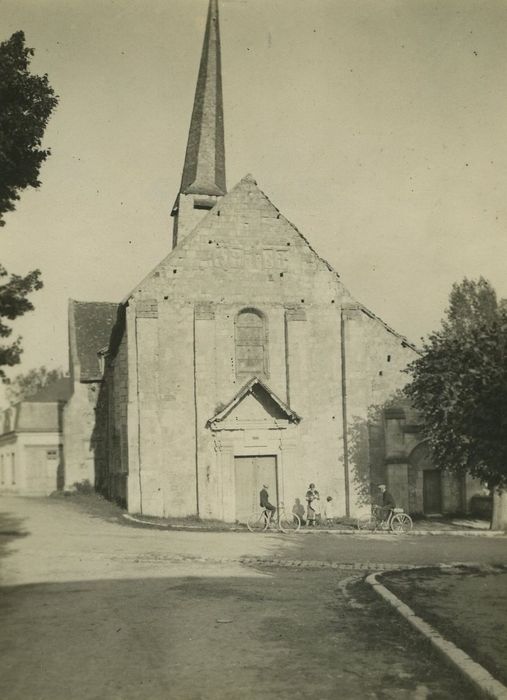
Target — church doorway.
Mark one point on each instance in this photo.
(250, 474)
(432, 491)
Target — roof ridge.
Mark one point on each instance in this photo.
(105, 303)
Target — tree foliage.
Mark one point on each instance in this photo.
(23, 386)
(459, 385)
(14, 302)
(471, 304)
(26, 103)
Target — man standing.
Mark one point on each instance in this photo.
(386, 501)
(264, 502)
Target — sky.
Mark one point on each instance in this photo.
(378, 127)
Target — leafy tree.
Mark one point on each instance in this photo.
(459, 385)
(26, 103)
(471, 303)
(23, 386)
(14, 303)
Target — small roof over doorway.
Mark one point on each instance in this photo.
(267, 400)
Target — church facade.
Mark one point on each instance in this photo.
(241, 359)
(237, 361)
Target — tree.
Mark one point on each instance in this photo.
(14, 303)
(23, 386)
(26, 103)
(459, 385)
(471, 303)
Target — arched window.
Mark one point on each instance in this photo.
(251, 344)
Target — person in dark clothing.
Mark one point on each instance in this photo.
(386, 501)
(264, 502)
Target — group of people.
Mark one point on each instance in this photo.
(316, 513)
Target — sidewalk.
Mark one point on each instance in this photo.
(426, 526)
(97, 506)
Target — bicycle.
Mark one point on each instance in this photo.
(263, 519)
(397, 520)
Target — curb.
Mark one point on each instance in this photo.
(483, 681)
(305, 531)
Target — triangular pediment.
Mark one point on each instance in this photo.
(254, 404)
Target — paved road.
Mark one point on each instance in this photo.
(93, 610)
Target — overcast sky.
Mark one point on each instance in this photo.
(378, 127)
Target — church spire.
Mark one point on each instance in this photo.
(204, 168)
(203, 180)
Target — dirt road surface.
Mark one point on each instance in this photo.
(93, 610)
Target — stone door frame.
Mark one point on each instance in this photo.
(229, 443)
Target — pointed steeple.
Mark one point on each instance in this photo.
(204, 168)
(203, 180)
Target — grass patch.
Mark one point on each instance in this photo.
(93, 504)
(467, 605)
(192, 522)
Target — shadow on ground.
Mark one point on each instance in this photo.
(11, 528)
(284, 634)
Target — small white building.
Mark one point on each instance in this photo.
(31, 443)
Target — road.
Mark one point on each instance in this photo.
(95, 610)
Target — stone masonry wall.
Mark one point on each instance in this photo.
(245, 254)
(374, 360)
(110, 433)
(78, 428)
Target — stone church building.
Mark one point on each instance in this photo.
(241, 359)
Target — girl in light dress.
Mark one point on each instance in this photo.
(313, 501)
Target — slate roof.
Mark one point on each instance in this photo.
(204, 167)
(38, 417)
(59, 390)
(41, 413)
(90, 326)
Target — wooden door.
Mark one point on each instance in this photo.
(39, 472)
(432, 491)
(250, 475)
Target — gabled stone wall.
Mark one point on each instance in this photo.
(181, 329)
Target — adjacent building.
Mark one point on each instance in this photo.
(31, 443)
(400, 457)
(90, 326)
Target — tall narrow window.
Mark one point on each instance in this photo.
(13, 467)
(251, 344)
(2, 472)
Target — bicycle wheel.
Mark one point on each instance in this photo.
(257, 522)
(289, 523)
(367, 523)
(401, 522)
